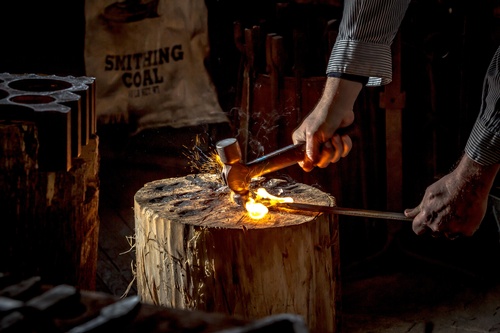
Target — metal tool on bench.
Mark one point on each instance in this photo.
(237, 176)
(111, 314)
(33, 315)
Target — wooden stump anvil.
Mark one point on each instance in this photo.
(196, 249)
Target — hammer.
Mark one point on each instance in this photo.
(237, 174)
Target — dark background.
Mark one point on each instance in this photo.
(446, 48)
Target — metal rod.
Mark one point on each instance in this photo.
(346, 211)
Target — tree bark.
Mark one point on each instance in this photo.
(196, 249)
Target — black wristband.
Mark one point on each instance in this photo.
(351, 77)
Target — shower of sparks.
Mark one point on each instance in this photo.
(204, 161)
(201, 160)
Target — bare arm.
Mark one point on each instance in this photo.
(333, 111)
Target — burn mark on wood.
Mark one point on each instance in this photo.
(182, 203)
(169, 187)
(191, 212)
(213, 184)
(160, 199)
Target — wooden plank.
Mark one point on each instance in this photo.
(111, 275)
(393, 100)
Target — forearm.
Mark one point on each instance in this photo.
(480, 177)
(338, 98)
(318, 129)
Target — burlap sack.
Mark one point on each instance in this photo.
(148, 60)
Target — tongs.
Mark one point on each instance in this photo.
(345, 211)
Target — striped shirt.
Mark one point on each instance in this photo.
(366, 32)
(483, 145)
(363, 49)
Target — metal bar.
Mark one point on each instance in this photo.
(345, 211)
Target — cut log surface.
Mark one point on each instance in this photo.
(197, 249)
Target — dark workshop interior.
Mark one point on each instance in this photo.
(391, 279)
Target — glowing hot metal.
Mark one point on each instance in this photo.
(257, 210)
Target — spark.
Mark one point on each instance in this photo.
(201, 160)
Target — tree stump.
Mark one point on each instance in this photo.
(196, 249)
(50, 220)
(49, 163)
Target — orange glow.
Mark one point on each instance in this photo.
(217, 160)
(256, 209)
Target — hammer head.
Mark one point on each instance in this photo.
(238, 175)
(235, 173)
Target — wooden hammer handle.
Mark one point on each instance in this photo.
(277, 160)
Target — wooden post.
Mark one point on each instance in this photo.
(196, 249)
(393, 101)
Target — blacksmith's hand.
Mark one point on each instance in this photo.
(320, 130)
(456, 204)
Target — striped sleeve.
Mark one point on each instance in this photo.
(483, 145)
(366, 32)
